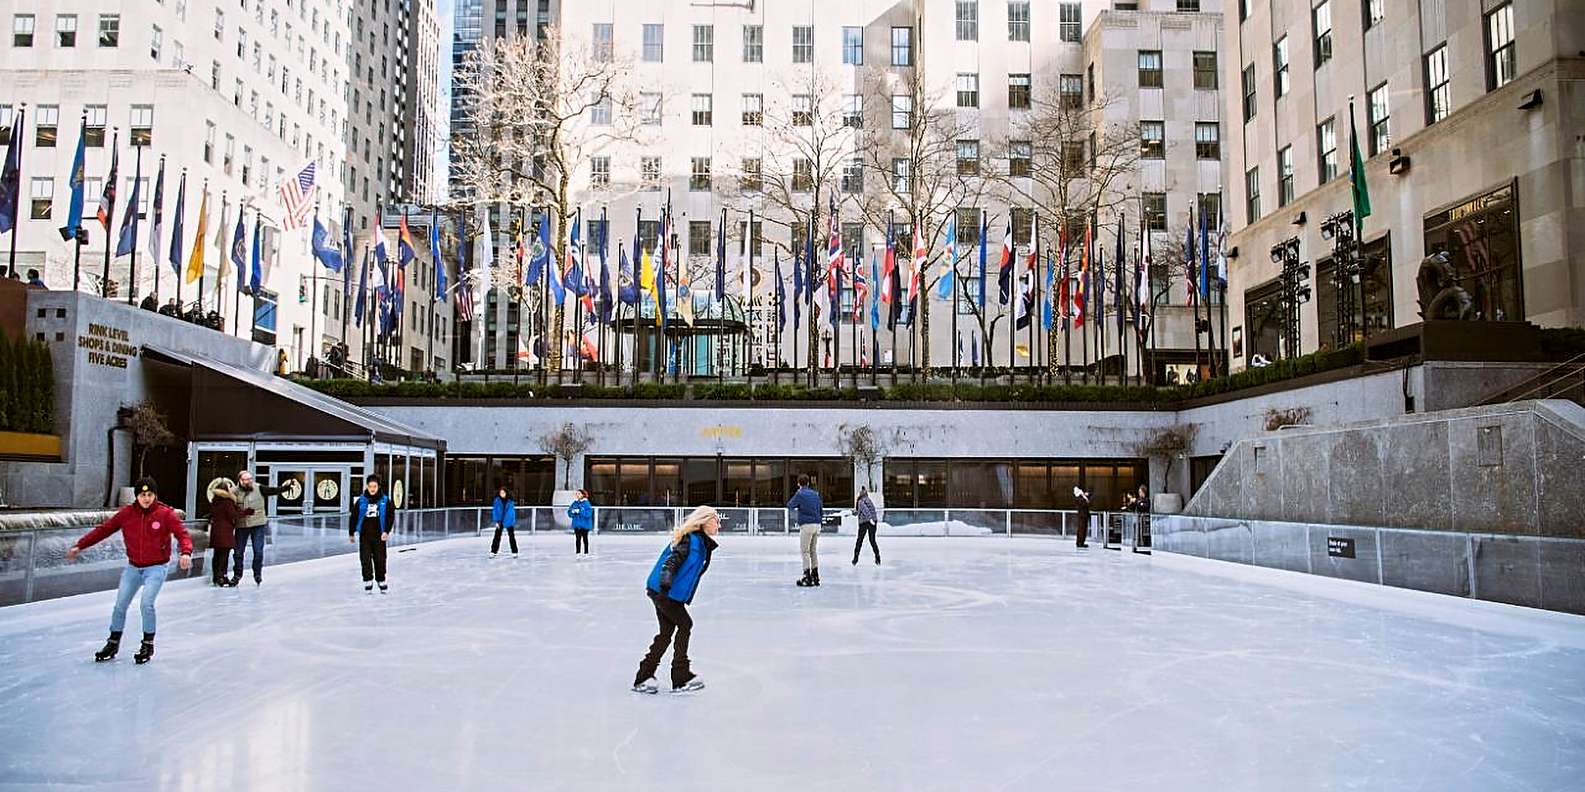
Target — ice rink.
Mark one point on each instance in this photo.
(961, 664)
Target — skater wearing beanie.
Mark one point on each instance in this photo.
(146, 528)
(503, 512)
(223, 518)
(370, 527)
(582, 514)
(671, 586)
(807, 510)
(864, 509)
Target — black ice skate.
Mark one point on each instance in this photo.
(112, 645)
(814, 578)
(146, 650)
(805, 581)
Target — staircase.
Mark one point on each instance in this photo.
(1566, 381)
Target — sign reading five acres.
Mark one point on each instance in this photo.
(107, 346)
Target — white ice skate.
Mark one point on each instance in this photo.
(691, 686)
(647, 686)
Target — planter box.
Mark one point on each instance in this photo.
(30, 447)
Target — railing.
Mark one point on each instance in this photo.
(1566, 380)
(33, 562)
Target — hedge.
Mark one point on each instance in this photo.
(27, 386)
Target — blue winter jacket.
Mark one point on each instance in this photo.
(503, 512)
(806, 503)
(582, 514)
(678, 570)
(382, 502)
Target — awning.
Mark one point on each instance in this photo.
(235, 402)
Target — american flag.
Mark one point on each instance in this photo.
(464, 299)
(297, 198)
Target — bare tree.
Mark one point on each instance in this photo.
(536, 110)
(149, 430)
(566, 443)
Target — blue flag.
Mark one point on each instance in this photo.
(1205, 259)
(542, 255)
(239, 250)
(11, 178)
(257, 263)
(798, 290)
(720, 260)
(434, 252)
(1047, 314)
(980, 298)
(875, 300)
(363, 289)
(346, 250)
(606, 305)
(574, 280)
(129, 224)
(781, 293)
(74, 208)
(626, 284)
(948, 281)
(324, 250)
(1189, 256)
(175, 252)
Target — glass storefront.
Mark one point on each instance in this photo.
(1375, 279)
(1007, 483)
(1481, 238)
(717, 481)
(1263, 320)
(472, 480)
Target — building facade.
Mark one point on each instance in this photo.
(1468, 115)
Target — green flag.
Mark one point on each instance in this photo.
(1356, 174)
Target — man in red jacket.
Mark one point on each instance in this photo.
(146, 528)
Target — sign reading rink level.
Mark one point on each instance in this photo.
(107, 346)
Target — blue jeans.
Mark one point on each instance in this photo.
(256, 536)
(150, 579)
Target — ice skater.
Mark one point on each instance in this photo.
(223, 518)
(671, 586)
(503, 512)
(1082, 497)
(864, 509)
(808, 510)
(146, 527)
(369, 528)
(251, 499)
(582, 514)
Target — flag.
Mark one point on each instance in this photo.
(834, 263)
(1118, 280)
(887, 293)
(665, 269)
(297, 198)
(1221, 250)
(947, 280)
(1048, 317)
(646, 276)
(573, 275)
(239, 250)
(920, 258)
(589, 351)
(798, 289)
(542, 260)
(720, 261)
(1064, 298)
(875, 303)
(175, 252)
(1025, 301)
(74, 207)
(363, 285)
(107, 201)
(405, 252)
(606, 303)
(271, 247)
(1188, 259)
(1081, 284)
(894, 284)
(781, 293)
(157, 222)
(379, 282)
(1142, 275)
(1205, 259)
(684, 294)
(984, 231)
(195, 261)
(129, 224)
(434, 253)
(1004, 267)
(1358, 189)
(324, 249)
(861, 290)
(626, 284)
(257, 262)
(11, 178)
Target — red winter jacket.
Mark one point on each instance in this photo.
(147, 534)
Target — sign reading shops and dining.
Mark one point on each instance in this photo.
(107, 346)
(1339, 547)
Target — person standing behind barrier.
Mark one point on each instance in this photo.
(223, 518)
(864, 509)
(255, 524)
(808, 511)
(671, 586)
(146, 527)
(370, 528)
(582, 514)
(1082, 496)
(503, 512)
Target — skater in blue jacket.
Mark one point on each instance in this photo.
(671, 586)
(582, 514)
(503, 512)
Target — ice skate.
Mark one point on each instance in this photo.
(814, 577)
(493, 555)
(805, 582)
(384, 589)
(691, 686)
(646, 686)
(112, 645)
(146, 650)
(368, 588)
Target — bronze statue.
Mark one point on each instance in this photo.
(1441, 297)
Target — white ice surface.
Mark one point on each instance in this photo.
(961, 664)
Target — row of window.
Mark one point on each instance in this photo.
(46, 125)
(24, 28)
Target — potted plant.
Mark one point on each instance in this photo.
(566, 444)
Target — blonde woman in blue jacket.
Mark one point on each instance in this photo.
(671, 586)
(582, 514)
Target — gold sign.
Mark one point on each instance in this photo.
(107, 346)
(733, 432)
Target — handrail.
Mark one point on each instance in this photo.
(1536, 382)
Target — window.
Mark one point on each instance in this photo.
(1252, 195)
(1279, 60)
(703, 106)
(968, 90)
(156, 39)
(853, 176)
(1070, 89)
(1210, 208)
(699, 175)
(1249, 93)
(1017, 20)
(853, 46)
(699, 237)
(1499, 47)
(1018, 91)
(242, 43)
(1089, 78)
(1377, 114)
(753, 44)
(8, 120)
(649, 172)
(654, 43)
(1439, 97)
(968, 157)
(753, 109)
(230, 154)
(1156, 210)
(46, 120)
(750, 180)
(1205, 70)
(1208, 140)
(220, 25)
(1150, 68)
(803, 179)
(802, 110)
(902, 111)
(603, 46)
(1481, 237)
(109, 30)
(803, 44)
(22, 35)
(1152, 140)
(703, 43)
(968, 20)
(599, 112)
(1326, 146)
(43, 195)
(902, 46)
(1072, 158)
(902, 175)
(1375, 11)
(1188, 5)
(1243, 10)
(853, 111)
(66, 30)
(142, 125)
(1321, 19)
(1020, 158)
(247, 163)
(94, 131)
(209, 142)
(1285, 176)
(649, 109)
(1070, 26)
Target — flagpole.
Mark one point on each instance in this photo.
(199, 240)
(17, 125)
(236, 298)
(104, 279)
(638, 304)
(132, 276)
(313, 289)
(748, 301)
(346, 305)
(434, 284)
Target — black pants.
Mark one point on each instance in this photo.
(580, 542)
(866, 528)
(511, 535)
(673, 617)
(371, 553)
(217, 563)
(1084, 528)
(255, 537)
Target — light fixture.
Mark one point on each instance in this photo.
(1399, 164)
(1232, 252)
(1531, 100)
(1301, 219)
